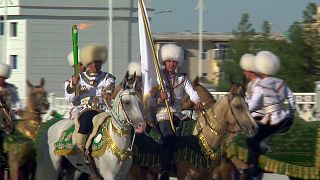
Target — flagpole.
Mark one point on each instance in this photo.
(75, 55)
(156, 61)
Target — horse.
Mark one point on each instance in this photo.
(20, 145)
(115, 160)
(229, 115)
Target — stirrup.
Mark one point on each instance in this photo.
(87, 156)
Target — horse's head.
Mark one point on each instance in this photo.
(38, 97)
(236, 112)
(128, 103)
(6, 122)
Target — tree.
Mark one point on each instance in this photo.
(240, 45)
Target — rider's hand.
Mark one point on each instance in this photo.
(107, 96)
(75, 80)
(199, 105)
(163, 96)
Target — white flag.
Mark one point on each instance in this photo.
(148, 71)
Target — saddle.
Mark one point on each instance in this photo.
(66, 145)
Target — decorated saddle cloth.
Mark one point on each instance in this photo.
(295, 153)
(98, 140)
(147, 148)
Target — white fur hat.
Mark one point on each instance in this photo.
(247, 62)
(267, 63)
(70, 58)
(93, 52)
(171, 52)
(5, 70)
(134, 67)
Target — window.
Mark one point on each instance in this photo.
(204, 54)
(13, 29)
(185, 54)
(1, 25)
(14, 61)
(221, 51)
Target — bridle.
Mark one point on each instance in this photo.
(224, 123)
(118, 105)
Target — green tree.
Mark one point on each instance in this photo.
(308, 46)
(240, 45)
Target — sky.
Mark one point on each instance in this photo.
(224, 15)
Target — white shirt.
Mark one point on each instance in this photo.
(270, 93)
(249, 93)
(91, 86)
(180, 83)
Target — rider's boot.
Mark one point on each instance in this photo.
(81, 140)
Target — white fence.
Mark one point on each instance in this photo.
(306, 105)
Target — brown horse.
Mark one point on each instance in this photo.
(20, 146)
(229, 115)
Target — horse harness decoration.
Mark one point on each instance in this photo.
(218, 130)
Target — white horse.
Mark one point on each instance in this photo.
(117, 159)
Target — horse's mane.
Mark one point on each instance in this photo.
(205, 96)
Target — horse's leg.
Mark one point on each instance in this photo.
(184, 171)
(13, 165)
(134, 173)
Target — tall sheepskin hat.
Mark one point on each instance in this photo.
(267, 63)
(134, 67)
(70, 58)
(171, 52)
(5, 70)
(93, 52)
(247, 62)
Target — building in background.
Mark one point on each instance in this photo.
(215, 49)
(35, 37)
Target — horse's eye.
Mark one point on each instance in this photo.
(126, 102)
(238, 106)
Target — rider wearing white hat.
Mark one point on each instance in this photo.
(171, 56)
(10, 95)
(94, 86)
(247, 64)
(269, 94)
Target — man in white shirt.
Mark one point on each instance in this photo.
(175, 84)
(94, 86)
(269, 95)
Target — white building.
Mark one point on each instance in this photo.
(38, 37)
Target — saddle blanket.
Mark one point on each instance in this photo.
(147, 149)
(99, 143)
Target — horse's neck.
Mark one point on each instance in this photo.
(30, 114)
(121, 136)
(213, 127)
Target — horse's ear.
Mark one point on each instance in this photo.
(127, 75)
(196, 80)
(29, 84)
(124, 81)
(42, 81)
(135, 80)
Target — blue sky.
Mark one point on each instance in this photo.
(224, 15)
